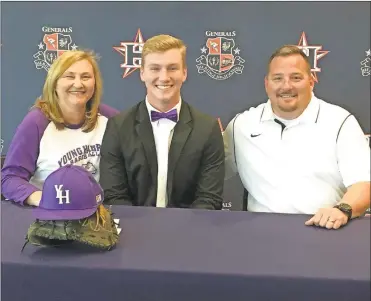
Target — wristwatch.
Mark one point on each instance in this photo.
(345, 208)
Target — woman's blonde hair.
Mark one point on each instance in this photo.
(48, 102)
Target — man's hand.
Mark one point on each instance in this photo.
(331, 218)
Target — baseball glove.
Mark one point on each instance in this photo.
(97, 230)
(50, 233)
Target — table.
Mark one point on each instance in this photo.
(190, 255)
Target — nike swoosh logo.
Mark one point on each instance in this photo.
(255, 135)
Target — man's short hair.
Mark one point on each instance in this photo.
(162, 43)
(288, 50)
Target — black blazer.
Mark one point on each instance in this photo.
(128, 164)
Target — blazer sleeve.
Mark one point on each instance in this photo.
(209, 191)
(113, 176)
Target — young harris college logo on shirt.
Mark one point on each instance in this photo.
(54, 42)
(78, 154)
(220, 55)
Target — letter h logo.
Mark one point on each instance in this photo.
(60, 196)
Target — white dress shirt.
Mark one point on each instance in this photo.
(163, 133)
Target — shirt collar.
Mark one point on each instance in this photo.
(309, 115)
(151, 108)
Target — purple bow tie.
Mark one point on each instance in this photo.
(171, 115)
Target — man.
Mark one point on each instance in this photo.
(163, 152)
(297, 153)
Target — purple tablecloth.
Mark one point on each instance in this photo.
(182, 254)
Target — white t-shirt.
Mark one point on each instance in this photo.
(38, 149)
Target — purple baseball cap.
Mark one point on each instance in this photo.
(69, 193)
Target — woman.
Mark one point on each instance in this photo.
(65, 126)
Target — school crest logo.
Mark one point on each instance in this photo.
(220, 57)
(90, 167)
(132, 53)
(314, 53)
(54, 42)
(366, 65)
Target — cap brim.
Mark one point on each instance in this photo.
(48, 215)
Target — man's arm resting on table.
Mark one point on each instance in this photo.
(353, 156)
(209, 191)
(358, 196)
(354, 164)
(113, 177)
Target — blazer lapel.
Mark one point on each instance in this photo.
(181, 132)
(144, 130)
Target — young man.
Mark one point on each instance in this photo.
(297, 153)
(163, 152)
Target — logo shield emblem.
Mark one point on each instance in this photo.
(55, 45)
(220, 57)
